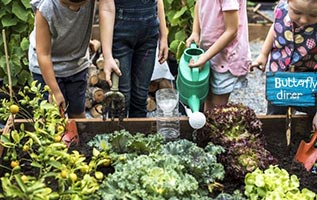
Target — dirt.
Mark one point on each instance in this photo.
(276, 144)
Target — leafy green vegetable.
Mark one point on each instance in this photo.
(199, 162)
(150, 177)
(274, 183)
(236, 128)
(124, 142)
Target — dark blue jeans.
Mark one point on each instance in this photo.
(134, 45)
(73, 89)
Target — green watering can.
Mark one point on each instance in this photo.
(193, 85)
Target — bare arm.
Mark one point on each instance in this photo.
(231, 20)
(106, 25)
(43, 50)
(195, 36)
(163, 43)
(262, 58)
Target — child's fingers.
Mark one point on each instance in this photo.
(255, 65)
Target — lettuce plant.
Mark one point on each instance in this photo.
(237, 129)
(274, 183)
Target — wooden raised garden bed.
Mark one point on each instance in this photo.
(274, 128)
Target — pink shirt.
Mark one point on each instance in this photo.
(235, 57)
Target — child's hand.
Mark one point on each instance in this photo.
(57, 97)
(110, 66)
(193, 38)
(256, 65)
(259, 63)
(200, 62)
(163, 51)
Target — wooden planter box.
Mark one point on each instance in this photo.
(274, 130)
(272, 125)
(258, 31)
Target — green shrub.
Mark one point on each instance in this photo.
(17, 20)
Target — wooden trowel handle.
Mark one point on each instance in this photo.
(115, 79)
(313, 139)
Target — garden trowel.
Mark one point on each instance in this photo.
(70, 136)
(307, 153)
(114, 100)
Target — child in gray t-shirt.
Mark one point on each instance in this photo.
(58, 51)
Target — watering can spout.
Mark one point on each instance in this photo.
(197, 119)
(194, 103)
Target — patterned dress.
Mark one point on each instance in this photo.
(293, 45)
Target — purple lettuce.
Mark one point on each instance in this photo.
(238, 130)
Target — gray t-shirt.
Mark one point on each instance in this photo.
(70, 35)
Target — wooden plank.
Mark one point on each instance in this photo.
(258, 31)
(274, 126)
(271, 123)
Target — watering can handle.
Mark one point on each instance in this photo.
(193, 45)
(195, 70)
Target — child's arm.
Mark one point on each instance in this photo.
(43, 50)
(106, 22)
(195, 36)
(163, 43)
(231, 20)
(262, 58)
(315, 123)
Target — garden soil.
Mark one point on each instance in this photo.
(276, 144)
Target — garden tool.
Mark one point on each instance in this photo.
(307, 153)
(70, 136)
(289, 119)
(114, 101)
(193, 84)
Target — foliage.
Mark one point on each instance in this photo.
(180, 15)
(150, 177)
(17, 21)
(199, 162)
(123, 141)
(36, 163)
(274, 183)
(236, 128)
(178, 169)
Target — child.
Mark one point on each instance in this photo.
(291, 41)
(129, 32)
(58, 52)
(220, 27)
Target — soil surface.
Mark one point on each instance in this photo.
(276, 144)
